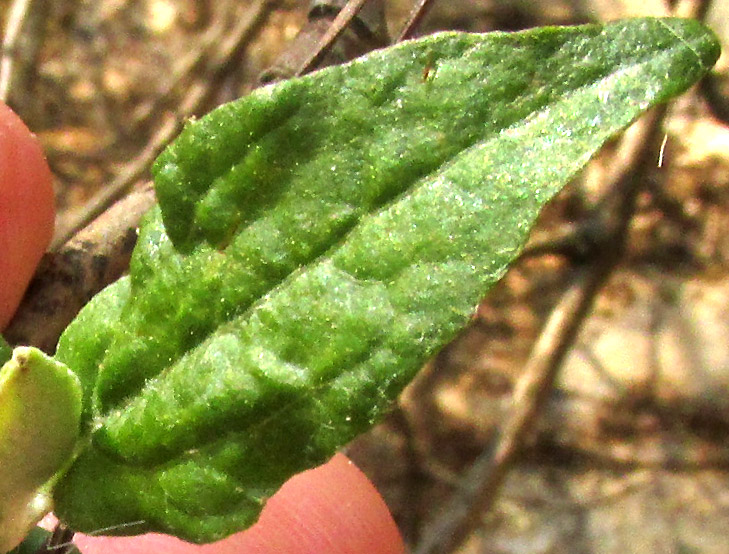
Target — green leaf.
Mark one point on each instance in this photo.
(322, 238)
(5, 351)
(40, 410)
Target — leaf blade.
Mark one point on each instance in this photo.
(391, 271)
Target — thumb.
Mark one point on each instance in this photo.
(26, 209)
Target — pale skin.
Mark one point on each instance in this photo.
(331, 509)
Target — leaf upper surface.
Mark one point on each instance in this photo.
(317, 241)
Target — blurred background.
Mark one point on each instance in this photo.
(626, 448)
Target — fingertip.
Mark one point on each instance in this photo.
(333, 508)
(27, 209)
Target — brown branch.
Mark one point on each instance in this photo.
(366, 32)
(343, 19)
(371, 17)
(415, 18)
(480, 485)
(66, 280)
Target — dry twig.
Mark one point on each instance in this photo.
(66, 280)
(366, 31)
(415, 19)
(340, 23)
